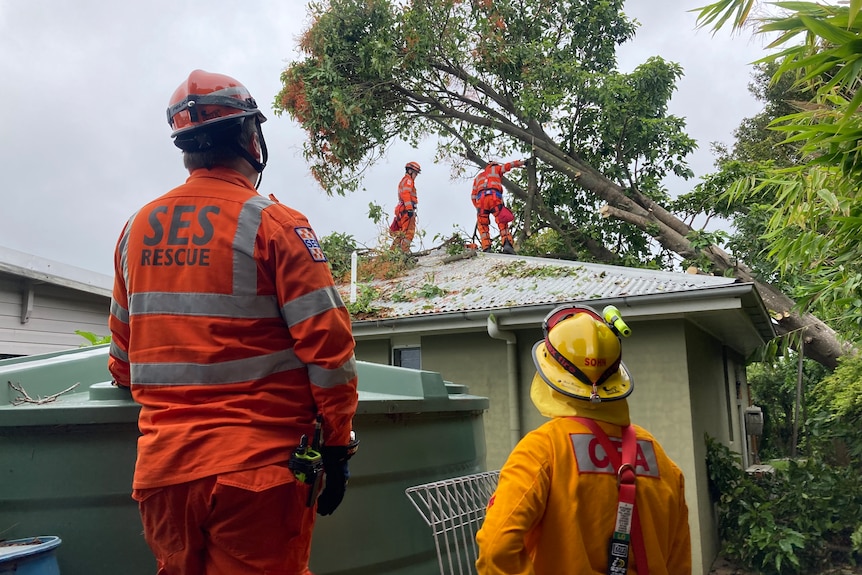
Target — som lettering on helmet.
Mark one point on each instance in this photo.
(595, 362)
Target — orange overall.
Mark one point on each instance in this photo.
(227, 327)
(405, 214)
(487, 198)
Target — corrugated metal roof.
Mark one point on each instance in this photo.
(485, 281)
(40, 269)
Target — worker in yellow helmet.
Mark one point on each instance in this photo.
(587, 492)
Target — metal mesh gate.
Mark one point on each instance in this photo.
(454, 509)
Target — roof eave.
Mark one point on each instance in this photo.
(746, 327)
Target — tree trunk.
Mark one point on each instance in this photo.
(821, 341)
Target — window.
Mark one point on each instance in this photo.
(407, 357)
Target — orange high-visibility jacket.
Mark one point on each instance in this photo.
(555, 506)
(491, 179)
(407, 200)
(227, 326)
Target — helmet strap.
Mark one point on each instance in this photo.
(258, 165)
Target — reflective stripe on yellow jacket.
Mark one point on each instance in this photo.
(555, 506)
(227, 326)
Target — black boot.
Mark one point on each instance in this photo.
(508, 248)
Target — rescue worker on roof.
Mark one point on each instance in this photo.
(487, 197)
(228, 329)
(405, 211)
(559, 506)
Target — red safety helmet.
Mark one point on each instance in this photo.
(205, 99)
(413, 166)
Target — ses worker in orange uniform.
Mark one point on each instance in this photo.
(487, 197)
(229, 331)
(587, 492)
(405, 211)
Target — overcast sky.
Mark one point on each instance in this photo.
(85, 142)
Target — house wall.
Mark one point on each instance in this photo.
(481, 366)
(374, 351)
(713, 412)
(657, 355)
(57, 312)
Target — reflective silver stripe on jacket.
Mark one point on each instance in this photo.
(244, 264)
(224, 372)
(327, 378)
(119, 312)
(310, 305)
(123, 248)
(204, 304)
(115, 351)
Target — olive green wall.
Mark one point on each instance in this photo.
(706, 368)
(657, 356)
(481, 366)
(374, 351)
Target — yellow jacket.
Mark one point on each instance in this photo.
(554, 509)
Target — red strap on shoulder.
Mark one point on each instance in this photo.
(626, 475)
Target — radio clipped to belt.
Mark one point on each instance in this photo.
(306, 462)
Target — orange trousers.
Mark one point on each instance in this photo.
(405, 233)
(242, 523)
(486, 205)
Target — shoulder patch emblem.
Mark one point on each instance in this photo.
(311, 244)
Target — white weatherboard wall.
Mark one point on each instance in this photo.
(38, 318)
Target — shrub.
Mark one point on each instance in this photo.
(791, 521)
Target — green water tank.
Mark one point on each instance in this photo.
(66, 466)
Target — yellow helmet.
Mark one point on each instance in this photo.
(581, 356)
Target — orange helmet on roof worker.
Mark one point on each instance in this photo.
(413, 166)
(580, 358)
(209, 109)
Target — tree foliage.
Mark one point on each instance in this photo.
(813, 230)
(515, 78)
(773, 387)
(493, 80)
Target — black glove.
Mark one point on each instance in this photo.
(337, 474)
(409, 213)
(529, 162)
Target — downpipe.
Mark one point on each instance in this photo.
(511, 377)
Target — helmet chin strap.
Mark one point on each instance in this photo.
(258, 165)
